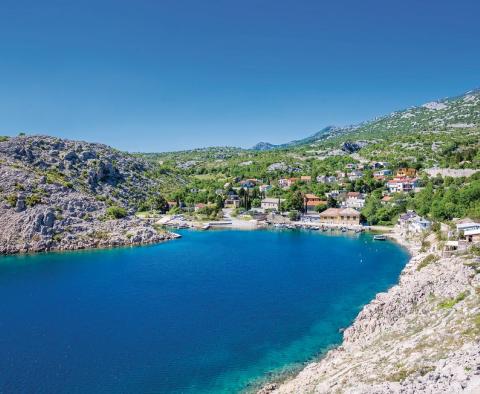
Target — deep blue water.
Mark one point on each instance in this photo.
(210, 312)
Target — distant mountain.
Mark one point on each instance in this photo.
(327, 132)
(459, 112)
(264, 146)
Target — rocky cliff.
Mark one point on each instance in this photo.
(422, 336)
(58, 194)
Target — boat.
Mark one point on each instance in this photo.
(380, 237)
(205, 227)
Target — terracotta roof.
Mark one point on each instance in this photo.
(349, 211)
(353, 194)
(331, 212)
(387, 198)
(316, 203)
(310, 196)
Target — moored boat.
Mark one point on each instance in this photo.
(380, 237)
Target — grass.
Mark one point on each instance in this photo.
(451, 302)
(431, 258)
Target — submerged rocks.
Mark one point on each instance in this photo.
(422, 336)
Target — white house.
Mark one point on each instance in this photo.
(399, 185)
(272, 203)
(264, 188)
(471, 231)
(326, 179)
(413, 222)
(354, 175)
(355, 200)
(384, 172)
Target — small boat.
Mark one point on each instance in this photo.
(344, 229)
(380, 237)
(205, 227)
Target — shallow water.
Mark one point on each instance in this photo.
(211, 312)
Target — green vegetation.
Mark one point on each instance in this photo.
(11, 199)
(450, 302)
(116, 212)
(431, 258)
(33, 199)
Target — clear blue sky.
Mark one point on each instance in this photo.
(168, 75)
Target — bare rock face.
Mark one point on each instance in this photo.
(54, 195)
(422, 336)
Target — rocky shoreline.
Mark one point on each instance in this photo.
(59, 194)
(421, 336)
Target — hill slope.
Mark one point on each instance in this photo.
(61, 194)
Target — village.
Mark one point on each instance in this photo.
(290, 203)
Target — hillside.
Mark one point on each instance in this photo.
(61, 194)
(421, 336)
(444, 133)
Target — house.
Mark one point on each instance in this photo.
(383, 173)
(355, 200)
(326, 179)
(399, 185)
(264, 188)
(306, 178)
(470, 230)
(311, 202)
(354, 175)
(406, 172)
(248, 184)
(412, 222)
(380, 164)
(340, 216)
(199, 206)
(232, 201)
(286, 183)
(272, 203)
(386, 199)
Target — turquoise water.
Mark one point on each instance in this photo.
(211, 312)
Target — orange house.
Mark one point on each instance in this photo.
(406, 172)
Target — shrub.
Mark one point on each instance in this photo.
(33, 200)
(450, 302)
(116, 212)
(11, 199)
(426, 261)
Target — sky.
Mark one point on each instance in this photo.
(178, 74)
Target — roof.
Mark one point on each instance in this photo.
(305, 177)
(472, 232)
(349, 211)
(353, 194)
(409, 216)
(462, 226)
(311, 196)
(272, 200)
(340, 211)
(330, 212)
(387, 198)
(316, 203)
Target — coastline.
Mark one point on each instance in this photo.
(374, 357)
